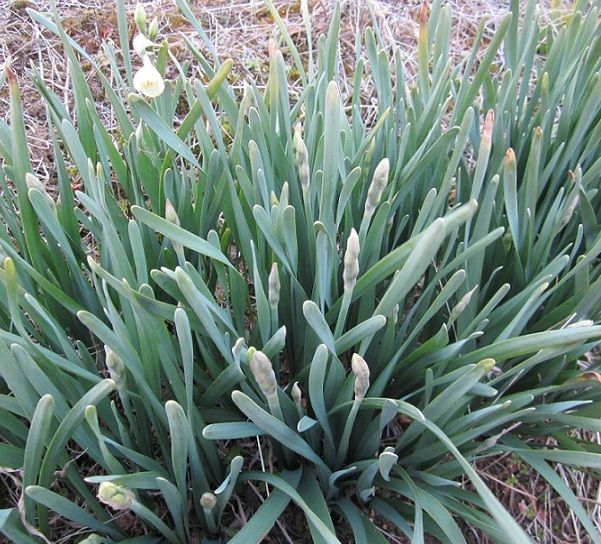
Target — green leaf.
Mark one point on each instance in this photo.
(179, 235)
(67, 509)
(154, 121)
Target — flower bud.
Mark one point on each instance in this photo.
(296, 394)
(208, 501)
(590, 375)
(377, 186)
(92, 539)
(424, 14)
(262, 370)
(148, 80)
(115, 496)
(170, 213)
(153, 29)
(274, 286)
(509, 160)
(461, 305)
(237, 348)
(116, 368)
(488, 127)
(361, 371)
(302, 158)
(140, 17)
(141, 44)
(581, 323)
(351, 261)
(487, 364)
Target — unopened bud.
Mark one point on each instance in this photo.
(274, 286)
(153, 29)
(509, 160)
(262, 370)
(581, 323)
(590, 375)
(424, 13)
(302, 158)
(92, 539)
(377, 186)
(488, 127)
(116, 368)
(170, 213)
(140, 17)
(487, 364)
(351, 261)
(361, 371)
(461, 305)
(208, 501)
(237, 348)
(115, 496)
(296, 394)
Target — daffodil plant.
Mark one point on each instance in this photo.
(348, 306)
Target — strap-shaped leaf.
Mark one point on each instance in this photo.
(275, 428)
(154, 121)
(36, 442)
(67, 509)
(178, 234)
(255, 529)
(278, 482)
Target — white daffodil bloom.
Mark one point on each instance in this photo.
(148, 80)
(141, 44)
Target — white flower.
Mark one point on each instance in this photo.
(148, 80)
(141, 44)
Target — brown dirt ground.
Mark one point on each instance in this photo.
(241, 29)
